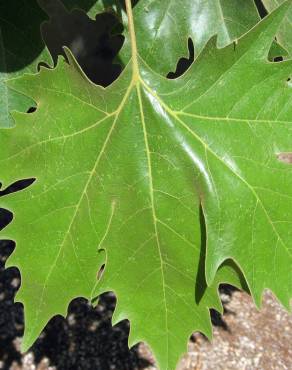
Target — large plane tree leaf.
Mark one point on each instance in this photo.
(90, 161)
(92, 183)
(121, 170)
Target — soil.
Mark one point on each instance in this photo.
(244, 338)
(249, 339)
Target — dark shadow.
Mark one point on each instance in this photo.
(5, 218)
(31, 110)
(94, 43)
(119, 4)
(218, 320)
(201, 284)
(87, 340)
(11, 317)
(20, 31)
(16, 186)
(20, 34)
(183, 63)
(261, 8)
(226, 291)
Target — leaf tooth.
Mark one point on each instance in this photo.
(133, 339)
(11, 262)
(118, 314)
(18, 297)
(211, 271)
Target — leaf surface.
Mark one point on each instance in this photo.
(93, 191)
(166, 25)
(240, 114)
(284, 34)
(122, 170)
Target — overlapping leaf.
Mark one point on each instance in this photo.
(166, 25)
(165, 22)
(121, 170)
(284, 33)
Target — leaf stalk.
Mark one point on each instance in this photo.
(132, 33)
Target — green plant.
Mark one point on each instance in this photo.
(122, 173)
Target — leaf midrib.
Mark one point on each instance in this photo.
(151, 191)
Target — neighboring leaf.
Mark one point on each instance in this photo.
(284, 35)
(92, 7)
(121, 170)
(196, 19)
(166, 25)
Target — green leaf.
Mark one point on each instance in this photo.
(284, 34)
(277, 51)
(93, 191)
(227, 20)
(166, 25)
(122, 170)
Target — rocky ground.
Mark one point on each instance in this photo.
(244, 338)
